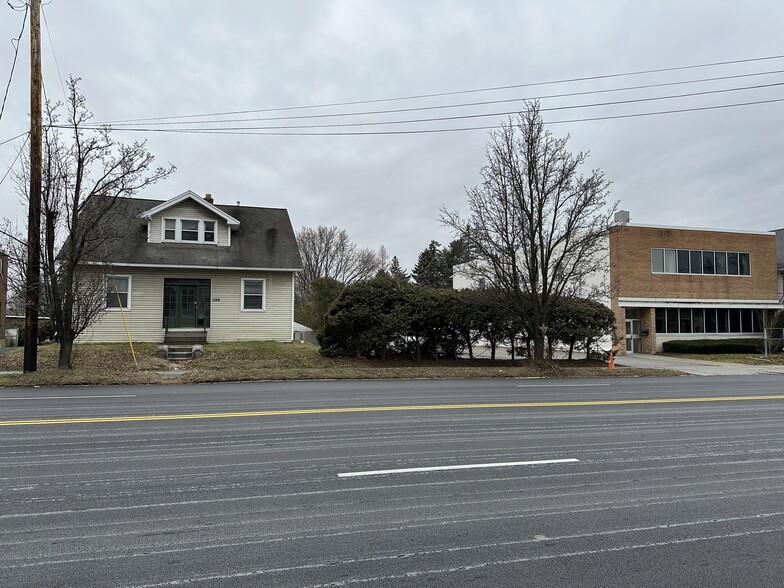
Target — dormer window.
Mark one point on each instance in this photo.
(187, 230)
(209, 231)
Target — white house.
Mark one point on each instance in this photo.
(190, 269)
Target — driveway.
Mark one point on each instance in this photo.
(696, 367)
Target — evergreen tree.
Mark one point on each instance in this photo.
(432, 268)
(396, 271)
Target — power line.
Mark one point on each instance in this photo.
(54, 55)
(14, 138)
(457, 92)
(482, 115)
(443, 130)
(16, 53)
(465, 104)
(13, 163)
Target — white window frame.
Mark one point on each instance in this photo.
(117, 308)
(203, 231)
(263, 295)
(178, 231)
(689, 273)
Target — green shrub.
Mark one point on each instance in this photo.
(711, 346)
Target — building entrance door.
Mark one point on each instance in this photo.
(633, 331)
(186, 303)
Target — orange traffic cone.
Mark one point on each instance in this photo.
(611, 362)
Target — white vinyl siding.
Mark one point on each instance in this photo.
(227, 321)
(188, 210)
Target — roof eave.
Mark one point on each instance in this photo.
(148, 214)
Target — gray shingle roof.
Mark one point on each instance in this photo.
(264, 239)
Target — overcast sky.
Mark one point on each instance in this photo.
(139, 59)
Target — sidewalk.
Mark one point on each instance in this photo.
(696, 367)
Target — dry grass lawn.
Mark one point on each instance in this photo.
(110, 364)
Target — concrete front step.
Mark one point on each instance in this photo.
(179, 352)
(193, 337)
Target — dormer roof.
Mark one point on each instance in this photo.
(189, 195)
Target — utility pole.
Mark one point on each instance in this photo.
(33, 277)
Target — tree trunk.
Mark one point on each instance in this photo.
(492, 349)
(66, 350)
(513, 347)
(538, 347)
(588, 349)
(571, 349)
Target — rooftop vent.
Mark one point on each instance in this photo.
(622, 217)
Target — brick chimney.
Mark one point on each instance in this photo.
(208, 198)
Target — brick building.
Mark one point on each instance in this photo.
(677, 283)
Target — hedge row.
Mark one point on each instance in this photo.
(710, 346)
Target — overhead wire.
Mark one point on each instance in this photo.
(456, 92)
(13, 163)
(54, 54)
(455, 117)
(446, 130)
(464, 104)
(16, 54)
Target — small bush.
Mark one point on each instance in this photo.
(713, 346)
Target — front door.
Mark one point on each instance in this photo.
(186, 303)
(187, 310)
(633, 331)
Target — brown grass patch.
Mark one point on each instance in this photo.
(110, 364)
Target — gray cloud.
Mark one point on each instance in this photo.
(149, 59)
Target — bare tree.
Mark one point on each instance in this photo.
(329, 252)
(536, 227)
(86, 176)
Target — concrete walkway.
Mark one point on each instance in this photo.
(697, 367)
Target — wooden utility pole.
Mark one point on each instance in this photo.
(33, 277)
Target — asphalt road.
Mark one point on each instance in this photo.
(251, 493)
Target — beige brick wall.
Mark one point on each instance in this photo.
(631, 274)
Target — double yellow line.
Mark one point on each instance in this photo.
(340, 410)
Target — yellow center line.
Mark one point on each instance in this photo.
(263, 413)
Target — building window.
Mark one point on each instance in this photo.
(744, 264)
(169, 229)
(672, 320)
(118, 292)
(189, 230)
(721, 263)
(688, 261)
(708, 320)
(253, 294)
(657, 260)
(209, 231)
(661, 320)
(708, 258)
(683, 261)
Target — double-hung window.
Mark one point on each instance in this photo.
(189, 230)
(118, 292)
(253, 294)
(209, 231)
